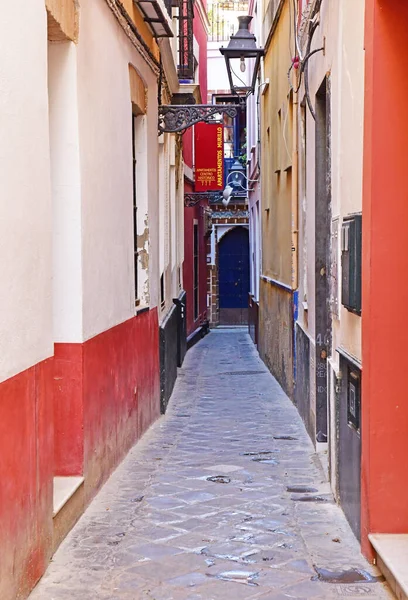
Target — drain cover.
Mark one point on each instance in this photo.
(265, 460)
(243, 373)
(219, 479)
(300, 489)
(310, 499)
(347, 591)
(346, 576)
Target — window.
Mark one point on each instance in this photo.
(222, 15)
(186, 61)
(195, 271)
(162, 295)
(135, 250)
(140, 192)
(228, 137)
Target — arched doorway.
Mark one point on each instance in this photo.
(233, 276)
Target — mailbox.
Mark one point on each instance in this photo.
(353, 398)
(351, 263)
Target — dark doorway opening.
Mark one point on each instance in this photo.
(233, 273)
(322, 254)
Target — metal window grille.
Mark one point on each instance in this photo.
(187, 63)
(223, 18)
(168, 4)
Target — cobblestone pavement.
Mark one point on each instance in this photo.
(201, 508)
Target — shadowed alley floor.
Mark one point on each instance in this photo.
(210, 504)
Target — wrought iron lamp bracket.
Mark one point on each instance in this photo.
(193, 198)
(178, 118)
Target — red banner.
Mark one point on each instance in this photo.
(209, 157)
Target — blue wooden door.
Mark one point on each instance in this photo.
(233, 273)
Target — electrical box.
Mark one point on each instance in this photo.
(335, 267)
(353, 398)
(351, 263)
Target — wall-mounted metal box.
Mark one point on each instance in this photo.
(351, 263)
(348, 421)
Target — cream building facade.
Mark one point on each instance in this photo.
(330, 202)
(311, 180)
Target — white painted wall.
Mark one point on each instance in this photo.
(106, 170)
(25, 193)
(255, 242)
(253, 157)
(348, 144)
(217, 71)
(66, 232)
(66, 192)
(162, 206)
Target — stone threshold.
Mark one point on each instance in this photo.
(392, 560)
(64, 489)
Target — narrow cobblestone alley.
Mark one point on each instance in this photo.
(223, 498)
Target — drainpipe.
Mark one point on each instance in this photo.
(295, 190)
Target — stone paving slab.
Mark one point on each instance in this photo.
(160, 530)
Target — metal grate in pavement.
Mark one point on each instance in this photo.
(242, 373)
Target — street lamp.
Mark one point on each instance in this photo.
(240, 51)
(237, 175)
(237, 181)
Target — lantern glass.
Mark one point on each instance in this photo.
(238, 73)
(237, 176)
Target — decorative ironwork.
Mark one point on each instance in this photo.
(186, 60)
(175, 119)
(193, 198)
(226, 214)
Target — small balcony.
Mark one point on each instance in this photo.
(186, 60)
(157, 13)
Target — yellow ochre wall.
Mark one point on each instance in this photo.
(277, 157)
(276, 298)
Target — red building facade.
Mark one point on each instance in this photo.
(196, 218)
(385, 264)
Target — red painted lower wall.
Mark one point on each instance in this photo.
(68, 409)
(76, 413)
(121, 393)
(26, 471)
